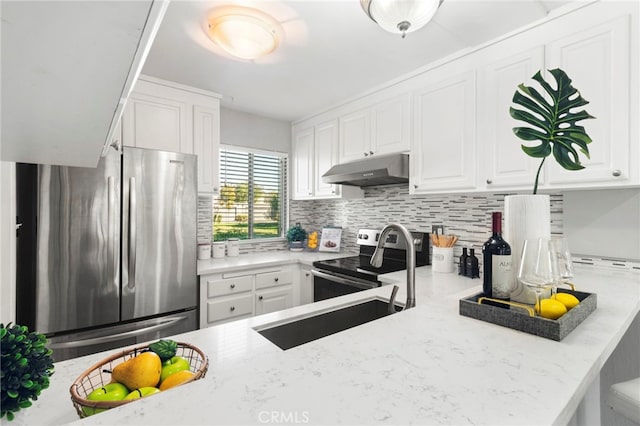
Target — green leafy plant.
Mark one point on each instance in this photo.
(296, 233)
(26, 365)
(553, 123)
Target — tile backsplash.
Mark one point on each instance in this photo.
(466, 215)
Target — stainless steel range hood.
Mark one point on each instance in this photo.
(382, 170)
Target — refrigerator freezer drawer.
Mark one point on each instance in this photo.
(89, 342)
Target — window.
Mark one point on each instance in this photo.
(252, 199)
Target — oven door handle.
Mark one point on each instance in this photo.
(353, 282)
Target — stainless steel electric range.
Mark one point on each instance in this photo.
(346, 275)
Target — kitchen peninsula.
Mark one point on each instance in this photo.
(427, 365)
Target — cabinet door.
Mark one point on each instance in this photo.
(272, 300)
(306, 286)
(445, 125)
(303, 164)
(502, 161)
(355, 135)
(597, 60)
(390, 126)
(206, 145)
(155, 122)
(326, 155)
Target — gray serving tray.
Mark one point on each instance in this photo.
(519, 319)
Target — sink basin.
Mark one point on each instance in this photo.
(299, 332)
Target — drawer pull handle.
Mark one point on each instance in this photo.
(233, 308)
(232, 286)
(489, 181)
(260, 298)
(616, 173)
(276, 279)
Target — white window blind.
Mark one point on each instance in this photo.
(252, 200)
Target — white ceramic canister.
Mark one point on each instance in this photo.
(442, 259)
(204, 251)
(218, 249)
(233, 247)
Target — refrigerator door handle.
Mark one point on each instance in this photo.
(110, 338)
(111, 237)
(132, 233)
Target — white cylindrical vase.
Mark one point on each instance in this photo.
(525, 217)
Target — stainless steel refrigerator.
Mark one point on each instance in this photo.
(107, 256)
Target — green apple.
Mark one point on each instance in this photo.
(173, 365)
(139, 393)
(109, 392)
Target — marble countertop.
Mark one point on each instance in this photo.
(264, 259)
(426, 365)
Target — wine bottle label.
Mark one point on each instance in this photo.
(501, 276)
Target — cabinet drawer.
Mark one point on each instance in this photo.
(228, 308)
(271, 279)
(228, 286)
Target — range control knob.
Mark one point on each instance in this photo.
(365, 237)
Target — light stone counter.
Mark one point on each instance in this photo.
(427, 365)
(263, 259)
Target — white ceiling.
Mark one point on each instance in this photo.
(330, 50)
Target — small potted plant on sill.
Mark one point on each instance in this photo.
(552, 123)
(26, 366)
(296, 236)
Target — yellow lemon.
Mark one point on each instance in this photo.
(176, 379)
(568, 300)
(551, 309)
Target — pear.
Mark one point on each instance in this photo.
(139, 372)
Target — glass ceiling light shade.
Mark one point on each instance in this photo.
(243, 32)
(401, 16)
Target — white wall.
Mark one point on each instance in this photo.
(603, 223)
(7, 242)
(253, 131)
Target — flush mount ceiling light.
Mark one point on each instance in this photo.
(244, 32)
(400, 16)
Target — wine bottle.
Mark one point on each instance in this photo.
(462, 266)
(496, 258)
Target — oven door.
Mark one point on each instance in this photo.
(330, 284)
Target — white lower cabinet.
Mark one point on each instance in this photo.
(236, 295)
(306, 285)
(273, 299)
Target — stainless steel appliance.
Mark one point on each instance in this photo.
(107, 256)
(337, 277)
(378, 170)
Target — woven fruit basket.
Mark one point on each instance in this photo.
(99, 375)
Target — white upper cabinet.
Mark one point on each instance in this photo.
(502, 163)
(390, 126)
(302, 164)
(156, 118)
(315, 151)
(376, 130)
(206, 145)
(355, 136)
(597, 60)
(171, 117)
(326, 155)
(443, 148)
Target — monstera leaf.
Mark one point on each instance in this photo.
(553, 123)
